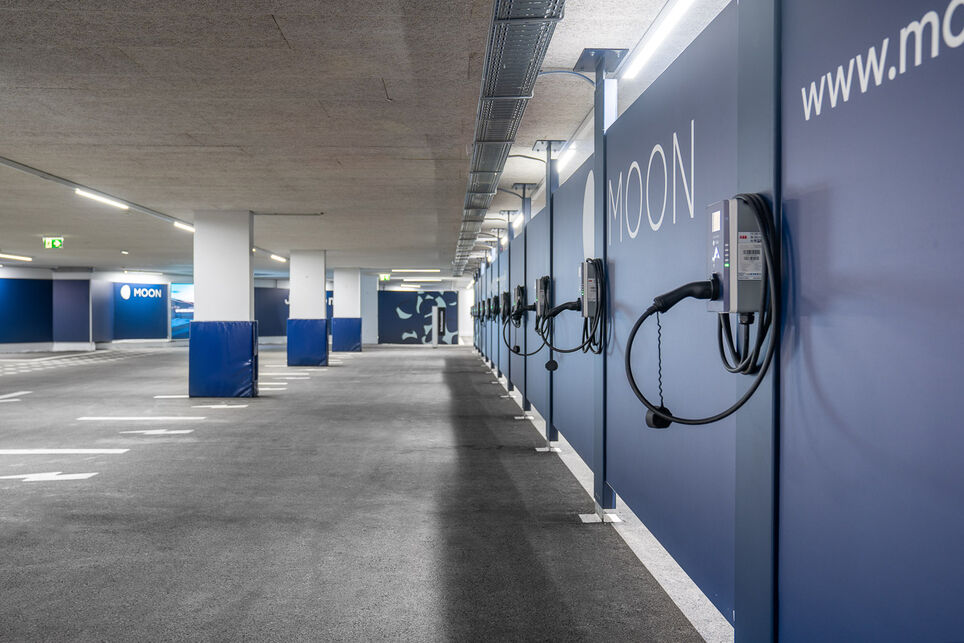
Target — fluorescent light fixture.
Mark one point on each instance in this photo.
(124, 252)
(15, 257)
(184, 226)
(421, 279)
(279, 258)
(653, 39)
(416, 270)
(101, 199)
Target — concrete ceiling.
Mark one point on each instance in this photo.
(362, 110)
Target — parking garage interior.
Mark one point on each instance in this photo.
(482, 320)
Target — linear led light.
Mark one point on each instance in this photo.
(15, 257)
(124, 252)
(184, 226)
(566, 157)
(416, 270)
(279, 258)
(101, 199)
(653, 40)
(421, 279)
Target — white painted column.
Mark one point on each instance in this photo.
(307, 283)
(223, 271)
(369, 308)
(347, 293)
(466, 327)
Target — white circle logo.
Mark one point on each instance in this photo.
(125, 292)
(589, 218)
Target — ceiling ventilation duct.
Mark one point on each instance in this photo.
(518, 39)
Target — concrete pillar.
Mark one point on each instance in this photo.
(369, 308)
(224, 336)
(346, 327)
(307, 314)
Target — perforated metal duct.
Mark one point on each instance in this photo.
(518, 39)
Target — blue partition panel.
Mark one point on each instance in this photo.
(517, 277)
(223, 359)
(71, 310)
(140, 311)
(26, 310)
(307, 342)
(346, 334)
(537, 265)
(871, 480)
(573, 381)
(101, 311)
(675, 146)
(503, 350)
(271, 311)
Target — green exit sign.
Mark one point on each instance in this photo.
(53, 243)
(384, 276)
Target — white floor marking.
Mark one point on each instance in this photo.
(62, 451)
(594, 518)
(155, 418)
(220, 406)
(17, 394)
(162, 431)
(169, 397)
(273, 389)
(50, 475)
(290, 377)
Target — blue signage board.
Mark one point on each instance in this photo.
(140, 311)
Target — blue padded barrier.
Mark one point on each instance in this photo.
(307, 342)
(223, 359)
(346, 334)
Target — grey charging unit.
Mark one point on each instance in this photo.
(589, 288)
(735, 257)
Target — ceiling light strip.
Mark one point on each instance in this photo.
(47, 176)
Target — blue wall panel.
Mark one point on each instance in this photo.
(26, 310)
(271, 311)
(573, 381)
(140, 311)
(102, 311)
(503, 350)
(537, 377)
(71, 310)
(517, 249)
(680, 481)
(871, 484)
(406, 317)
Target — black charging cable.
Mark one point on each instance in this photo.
(593, 329)
(744, 362)
(516, 318)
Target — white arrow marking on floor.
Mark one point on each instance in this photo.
(220, 406)
(169, 397)
(62, 451)
(17, 394)
(162, 431)
(155, 418)
(50, 475)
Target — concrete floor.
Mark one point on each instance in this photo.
(389, 497)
